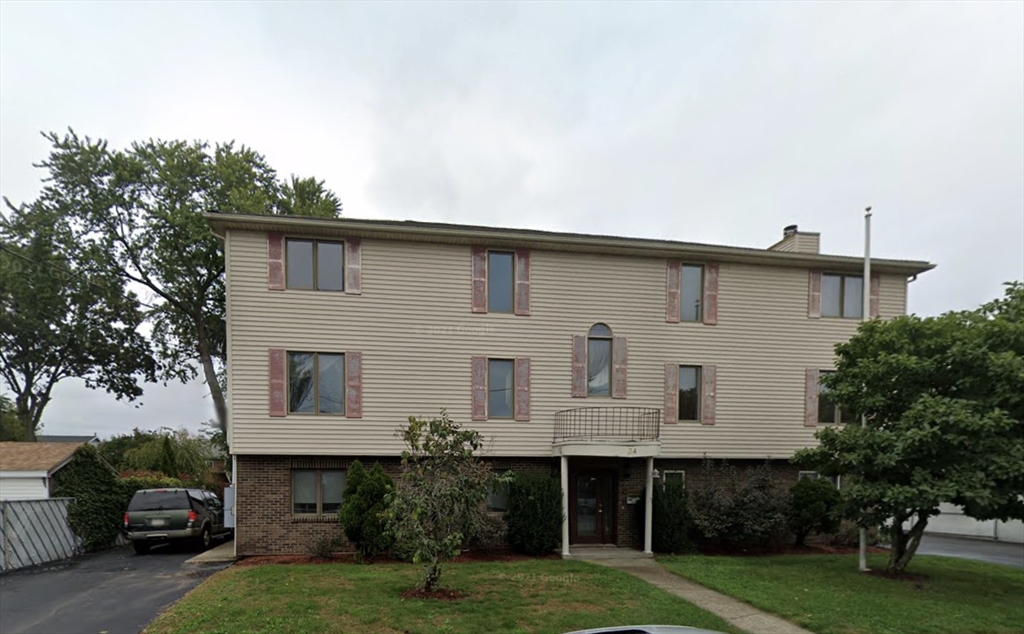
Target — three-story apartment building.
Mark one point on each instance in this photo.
(609, 362)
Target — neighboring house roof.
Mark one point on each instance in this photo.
(36, 456)
(412, 231)
(94, 440)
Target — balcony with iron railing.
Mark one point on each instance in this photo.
(608, 424)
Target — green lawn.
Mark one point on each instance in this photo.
(826, 593)
(522, 596)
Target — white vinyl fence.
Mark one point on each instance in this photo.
(34, 532)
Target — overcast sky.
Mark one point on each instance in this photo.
(702, 122)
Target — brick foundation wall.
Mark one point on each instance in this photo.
(265, 524)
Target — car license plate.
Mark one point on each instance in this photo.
(157, 522)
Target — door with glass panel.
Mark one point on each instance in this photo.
(593, 511)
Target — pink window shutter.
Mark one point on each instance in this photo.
(522, 298)
(522, 404)
(479, 276)
(277, 360)
(876, 295)
(673, 279)
(814, 295)
(275, 262)
(671, 393)
(620, 366)
(709, 394)
(579, 366)
(811, 398)
(711, 294)
(354, 266)
(479, 393)
(353, 384)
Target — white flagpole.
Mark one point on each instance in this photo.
(865, 316)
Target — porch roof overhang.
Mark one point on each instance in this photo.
(610, 448)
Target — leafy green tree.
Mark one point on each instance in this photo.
(814, 507)
(142, 208)
(173, 453)
(362, 506)
(439, 505)
(113, 449)
(63, 315)
(10, 427)
(943, 403)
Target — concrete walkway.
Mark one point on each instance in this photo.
(225, 553)
(741, 615)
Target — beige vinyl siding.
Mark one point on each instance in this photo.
(417, 334)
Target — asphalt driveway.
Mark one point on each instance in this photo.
(1005, 553)
(115, 592)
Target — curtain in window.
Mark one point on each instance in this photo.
(300, 382)
(332, 485)
(599, 366)
(303, 492)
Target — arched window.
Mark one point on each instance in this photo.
(599, 360)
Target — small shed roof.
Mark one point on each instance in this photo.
(35, 456)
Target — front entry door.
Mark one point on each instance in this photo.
(594, 507)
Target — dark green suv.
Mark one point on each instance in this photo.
(161, 515)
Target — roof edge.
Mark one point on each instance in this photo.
(413, 231)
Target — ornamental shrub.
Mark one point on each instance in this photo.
(728, 509)
(361, 506)
(814, 507)
(534, 515)
(671, 521)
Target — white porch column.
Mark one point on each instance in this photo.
(565, 506)
(649, 508)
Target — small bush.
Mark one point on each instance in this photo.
(671, 519)
(361, 507)
(322, 547)
(534, 515)
(731, 510)
(490, 533)
(814, 506)
(848, 536)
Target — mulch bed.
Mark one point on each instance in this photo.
(441, 594)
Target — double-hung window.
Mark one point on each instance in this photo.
(317, 491)
(316, 383)
(500, 282)
(842, 296)
(315, 265)
(599, 361)
(691, 292)
(501, 388)
(689, 392)
(828, 410)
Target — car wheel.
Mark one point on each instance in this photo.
(205, 538)
(141, 548)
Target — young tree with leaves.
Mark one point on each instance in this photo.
(63, 315)
(943, 400)
(439, 505)
(142, 209)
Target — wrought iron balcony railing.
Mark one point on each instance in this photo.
(608, 423)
